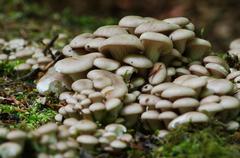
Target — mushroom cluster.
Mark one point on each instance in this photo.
(31, 54)
(144, 72)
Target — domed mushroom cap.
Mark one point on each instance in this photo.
(156, 26)
(121, 45)
(193, 117)
(178, 92)
(138, 61)
(229, 102)
(186, 103)
(106, 64)
(216, 60)
(109, 30)
(70, 121)
(180, 38)
(158, 89)
(163, 104)
(131, 109)
(210, 99)
(196, 82)
(148, 100)
(69, 52)
(131, 21)
(85, 126)
(80, 40)
(198, 48)
(155, 44)
(119, 88)
(82, 84)
(211, 108)
(220, 86)
(166, 115)
(217, 70)
(235, 44)
(87, 140)
(116, 128)
(118, 144)
(10, 150)
(76, 64)
(179, 80)
(94, 44)
(233, 75)
(150, 115)
(199, 70)
(47, 128)
(190, 26)
(233, 126)
(16, 135)
(113, 103)
(181, 21)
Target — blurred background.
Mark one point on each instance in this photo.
(216, 20)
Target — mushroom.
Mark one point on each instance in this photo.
(190, 117)
(180, 38)
(75, 66)
(119, 87)
(109, 31)
(150, 120)
(17, 136)
(131, 113)
(198, 48)
(85, 126)
(220, 86)
(10, 150)
(235, 44)
(113, 107)
(82, 84)
(167, 117)
(118, 144)
(138, 61)
(181, 21)
(98, 110)
(178, 92)
(121, 45)
(164, 105)
(106, 64)
(186, 104)
(87, 141)
(155, 45)
(54, 82)
(79, 41)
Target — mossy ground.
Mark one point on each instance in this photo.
(20, 106)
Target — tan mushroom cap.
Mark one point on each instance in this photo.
(235, 44)
(44, 60)
(235, 52)
(193, 117)
(198, 48)
(199, 70)
(87, 140)
(178, 92)
(94, 44)
(163, 104)
(10, 150)
(106, 64)
(131, 21)
(119, 88)
(16, 135)
(82, 84)
(156, 26)
(216, 60)
(76, 64)
(233, 75)
(196, 82)
(179, 80)
(158, 89)
(180, 38)
(113, 103)
(121, 45)
(138, 61)
(47, 128)
(148, 100)
(211, 108)
(220, 86)
(190, 26)
(80, 40)
(210, 99)
(186, 103)
(167, 115)
(31, 61)
(109, 31)
(229, 102)
(150, 115)
(155, 44)
(22, 67)
(69, 52)
(131, 109)
(85, 126)
(118, 144)
(181, 21)
(217, 70)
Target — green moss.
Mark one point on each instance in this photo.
(7, 67)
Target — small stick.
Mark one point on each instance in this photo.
(49, 45)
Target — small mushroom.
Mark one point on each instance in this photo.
(167, 117)
(131, 113)
(106, 64)
(181, 21)
(150, 120)
(186, 104)
(109, 31)
(87, 141)
(158, 74)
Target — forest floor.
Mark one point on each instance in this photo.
(23, 108)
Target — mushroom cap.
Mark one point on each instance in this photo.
(31, 61)
(69, 52)
(232, 125)
(181, 21)
(229, 102)
(156, 26)
(10, 150)
(87, 140)
(47, 128)
(199, 43)
(220, 86)
(131, 21)
(148, 100)
(234, 52)
(158, 74)
(196, 82)
(210, 107)
(151, 39)
(166, 115)
(16, 135)
(132, 109)
(82, 84)
(44, 60)
(150, 115)
(85, 126)
(118, 144)
(80, 40)
(198, 70)
(118, 88)
(190, 26)
(216, 60)
(233, 75)
(106, 64)
(124, 43)
(210, 99)
(217, 70)
(186, 103)
(109, 30)
(116, 128)
(94, 44)
(70, 121)
(97, 107)
(162, 104)
(158, 89)
(235, 44)
(76, 64)
(193, 117)
(113, 103)
(177, 92)
(138, 61)
(181, 34)
(179, 80)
